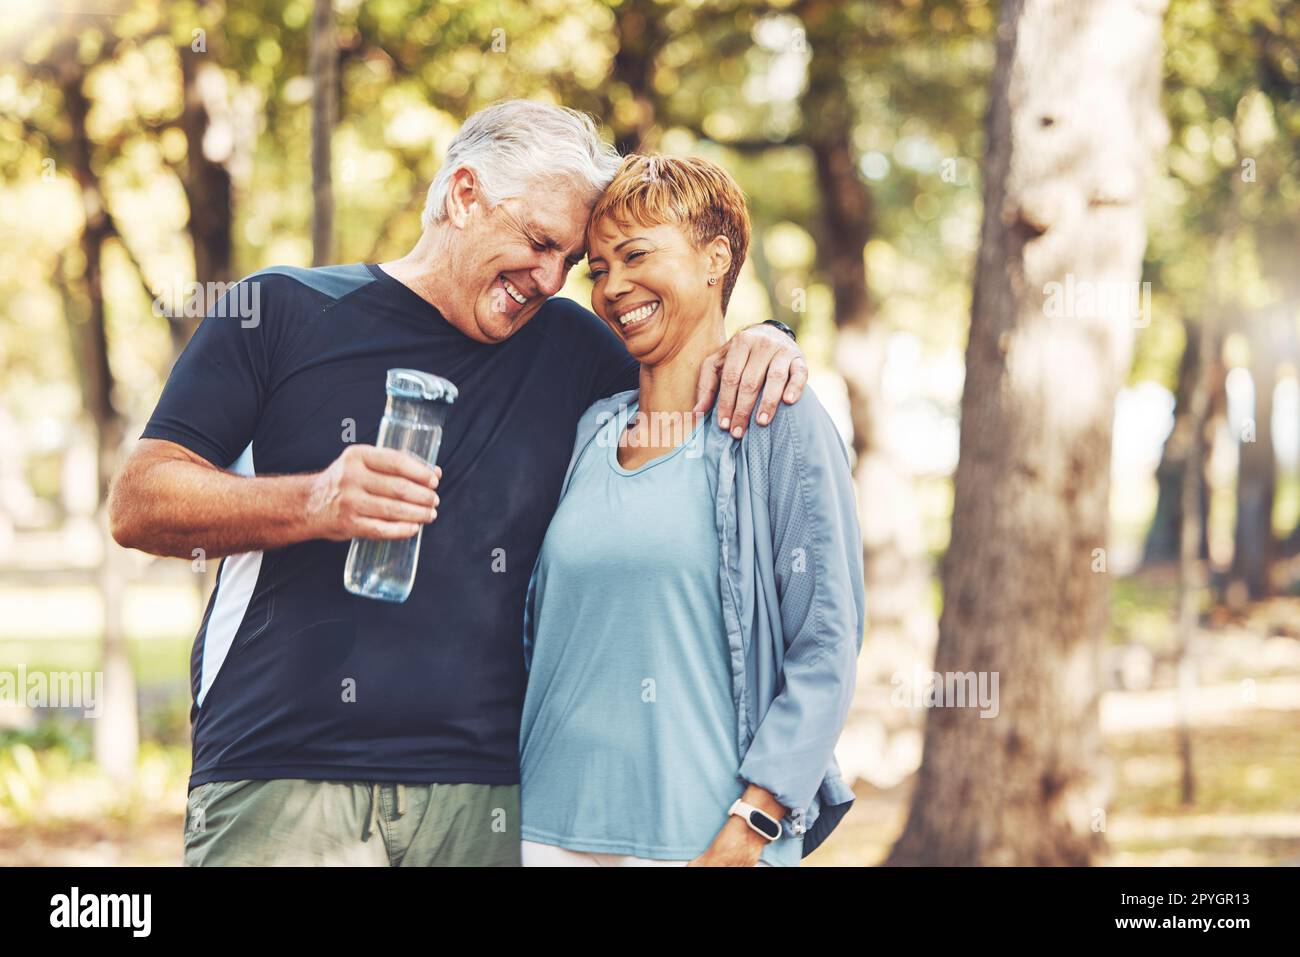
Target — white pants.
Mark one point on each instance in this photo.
(548, 855)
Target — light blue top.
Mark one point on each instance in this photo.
(628, 739)
(790, 575)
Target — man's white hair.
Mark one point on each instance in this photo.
(512, 143)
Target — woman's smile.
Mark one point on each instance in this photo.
(633, 317)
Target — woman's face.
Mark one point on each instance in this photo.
(650, 285)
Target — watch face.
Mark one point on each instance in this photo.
(769, 827)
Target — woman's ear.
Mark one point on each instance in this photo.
(719, 255)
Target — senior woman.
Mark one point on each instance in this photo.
(693, 620)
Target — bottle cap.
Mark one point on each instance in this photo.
(414, 384)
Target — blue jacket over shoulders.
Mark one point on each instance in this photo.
(793, 601)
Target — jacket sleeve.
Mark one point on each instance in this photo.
(817, 559)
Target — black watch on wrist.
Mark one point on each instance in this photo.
(782, 326)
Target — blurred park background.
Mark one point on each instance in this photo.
(1123, 545)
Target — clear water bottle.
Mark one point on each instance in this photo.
(418, 404)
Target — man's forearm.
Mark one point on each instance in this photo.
(173, 507)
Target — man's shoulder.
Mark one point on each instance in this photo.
(327, 282)
(561, 317)
(562, 307)
(585, 343)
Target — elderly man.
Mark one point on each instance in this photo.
(328, 728)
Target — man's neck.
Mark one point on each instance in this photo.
(426, 268)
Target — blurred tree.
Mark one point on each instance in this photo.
(1187, 443)
(1254, 544)
(1191, 538)
(324, 116)
(1074, 125)
(210, 147)
(1233, 96)
(116, 733)
(629, 98)
(897, 568)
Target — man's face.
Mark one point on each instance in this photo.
(511, 258)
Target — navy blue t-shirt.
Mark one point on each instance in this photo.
(292, 675)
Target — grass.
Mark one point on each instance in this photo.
(1239, 769)
(157, 661)
(1247, 808)
(1142, 611)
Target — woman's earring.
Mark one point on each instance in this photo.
(713, 280)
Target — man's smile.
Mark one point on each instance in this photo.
(512, 290)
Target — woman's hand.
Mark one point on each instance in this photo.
(738, 844)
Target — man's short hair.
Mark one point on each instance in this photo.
(511, 144)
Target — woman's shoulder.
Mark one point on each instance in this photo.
(805, 413)
(602, 410)
(597, 416)
(804, 428)
(802, 462)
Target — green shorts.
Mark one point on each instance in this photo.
(352, 824)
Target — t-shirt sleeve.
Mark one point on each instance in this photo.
(214, 395)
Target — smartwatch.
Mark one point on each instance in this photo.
(782, 326)
(760, 821)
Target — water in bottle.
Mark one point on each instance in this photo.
(418, 403)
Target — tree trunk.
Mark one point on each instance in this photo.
(629, 99)
(897, 570)
(324, 117)
(1278, 252)
(1162, 541)
(1073, 126)
(209, 136)
(1254, 543)
(1191, 537)
(116, 731)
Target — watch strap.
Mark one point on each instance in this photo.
(747, 813)
(782, 326)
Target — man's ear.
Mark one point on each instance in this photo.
(462, 196)
(719, 253)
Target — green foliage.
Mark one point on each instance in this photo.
(1223, 229)
(742, 81)
(721, 77)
